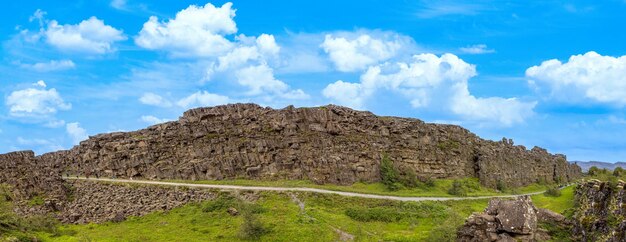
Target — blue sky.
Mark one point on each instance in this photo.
(549, 73)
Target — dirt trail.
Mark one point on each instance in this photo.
(295, 189)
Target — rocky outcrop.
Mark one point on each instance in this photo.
(29, 177)
(505, 220)
(328, 144)
(601, 211)
(95, 202)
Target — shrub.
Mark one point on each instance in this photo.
(500, 186)
(374, 214)
(388, 174)
(593, 171)
(220, 203)
(252, 228)
(618, 171)
(428, 181)
(553, 192)
(446, 231)
(457, 189)
(408, 178)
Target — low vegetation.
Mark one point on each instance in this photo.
(563, 204)
(553, 191)
(276, 217)
(18, 228)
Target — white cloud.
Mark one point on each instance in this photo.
(195, 31)
(433, 83)
(353, 53)
(582, 78)
(52, 65)
(477, 49)
(506, 111)
(260, 79)
(153, 120)
(40, 83)
(119, 4)
(202, 98)
(33, 102)
(90, 36)
(154, 100)
(55, 123)
(345, 93)
(267, 45)
(77, 133)
(39, 15)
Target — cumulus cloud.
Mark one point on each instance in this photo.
(35, 102)
(90, 36)
(260, 79)
(345, 93)
(477, 49)
(153, 120)
(76, 132)
(354, 51)
(588, 77)
(431, 82)
(154, 100)
(195, 31)
(202, 98)
(53, 65)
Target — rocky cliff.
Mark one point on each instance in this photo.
(328, 144)
(600, 211)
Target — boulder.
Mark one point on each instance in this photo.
(503, 220)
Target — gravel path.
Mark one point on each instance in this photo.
(295, 189)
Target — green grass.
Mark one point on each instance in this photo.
(440, 189)
(324, 214)
(557, 204)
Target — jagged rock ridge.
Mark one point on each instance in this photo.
(329, 144)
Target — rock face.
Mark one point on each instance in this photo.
(328, 144)
(601, 211)
(504, 220)
(29, 177)
(100, 202)
(95, 202)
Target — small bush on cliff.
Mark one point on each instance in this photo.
(389, 174)
(553, 192)
(500, 186)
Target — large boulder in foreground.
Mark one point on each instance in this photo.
(506, 220)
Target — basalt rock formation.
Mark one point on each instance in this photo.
(601, 211)
(329, 144)
(508, 220)
(28, 176)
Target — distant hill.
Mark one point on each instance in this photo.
(585, 165)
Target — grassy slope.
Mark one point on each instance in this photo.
(416, 221)
(440, 189)
(557, 204)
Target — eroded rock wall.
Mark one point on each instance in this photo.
(95, 202)
(28, 176)
(328, 144)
